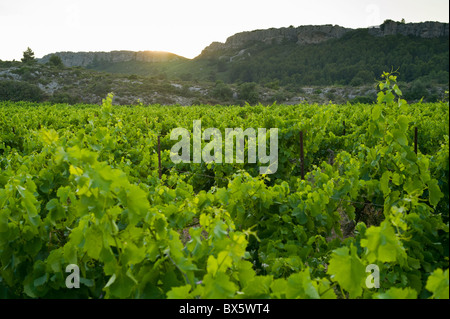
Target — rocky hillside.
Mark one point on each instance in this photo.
(43, 82)
(304, 35)
(295, 57)
(427, 30)
(85, 59)
(306, 64)
(301, 35)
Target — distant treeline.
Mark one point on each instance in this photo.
(356, 58)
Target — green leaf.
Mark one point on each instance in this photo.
(41, 280)
(220, 230)
(414, 186)
(111, 280)
(32, 247)
(325, 289)
(54, 260)
(403, 122)
(121, 286)
(4, 221)
(435, 193)
(48, 136)
(245, 272)
(397, 293)
(400, 137)
(376, 112)
(397, 90)
(388, 97)
(300, 285)
(30, 203)
(347, 270)
(279, 288)
(223, 195)
(380, 96)
(87, 282)
(137, 203)
(180, 292)
(438, 284)
(63, 194)
(56, 211)
(94, 242)
(133, 254)
(383, 245)
(300, 215)
(186, 264)
(258, 287)
(384, 183)
(218, 287)
(70, 253)
(221, 264)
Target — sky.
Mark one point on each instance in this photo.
(180, 26)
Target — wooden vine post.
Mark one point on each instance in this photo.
(159, 157)
(302, 157)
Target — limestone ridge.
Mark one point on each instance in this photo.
(237, 44)
(86, 58)
(303, 35)
(423, 30)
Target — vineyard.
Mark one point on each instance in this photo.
(80, 185)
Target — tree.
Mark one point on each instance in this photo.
(249, 92)
(55, 61)
(222, 91)
(28, 56)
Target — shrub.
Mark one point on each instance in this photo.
(222, 91)
(363, 99)
(248, 92)
(63, 97)
(20, 91)
(55, 61)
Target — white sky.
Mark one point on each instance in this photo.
(181, 26)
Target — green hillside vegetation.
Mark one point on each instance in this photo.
(339, 70)
(55, 83)
(354, 59)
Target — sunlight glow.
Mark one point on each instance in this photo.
(181, 27)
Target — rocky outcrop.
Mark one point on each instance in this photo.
(86, 58)
(422, 30)
(316, 34)
(300, 35)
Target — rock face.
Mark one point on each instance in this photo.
(316, 34)
(423, 30)
(86, 58)
(300, 35)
